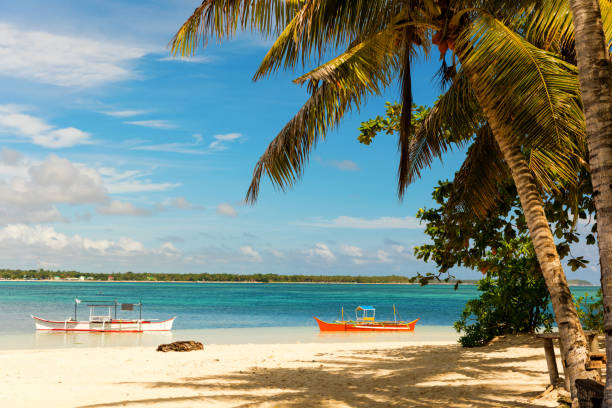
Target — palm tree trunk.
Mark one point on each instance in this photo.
(573, 341)
(595, 74)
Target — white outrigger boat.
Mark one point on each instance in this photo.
(101, 319)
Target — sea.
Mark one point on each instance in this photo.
(232, 313)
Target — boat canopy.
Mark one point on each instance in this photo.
(367, 315)
(100, 309)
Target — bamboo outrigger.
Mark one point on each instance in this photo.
(366, 322)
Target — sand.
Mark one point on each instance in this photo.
(511, 372)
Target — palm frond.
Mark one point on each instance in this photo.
(222, 18)
(453, 119)
(475, 187)
(550, 25)
(319, 27)
(364, 56)
(534, 91)
(405, 122)
(284, 159)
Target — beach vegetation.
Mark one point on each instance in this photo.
(514, 297)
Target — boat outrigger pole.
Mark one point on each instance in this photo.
(394, 318)
(342, 313)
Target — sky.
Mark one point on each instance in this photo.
(115, 156)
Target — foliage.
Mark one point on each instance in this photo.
(514, 297)
(514, 301)
(590, 311)
(390, 123)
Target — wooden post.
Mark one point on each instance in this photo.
(593, 342)
(565, 376)
(551, 361)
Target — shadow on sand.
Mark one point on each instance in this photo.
(440, 376)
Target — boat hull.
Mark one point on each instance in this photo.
(113, 326)
(362, 326)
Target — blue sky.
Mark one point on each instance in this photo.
(117, 157)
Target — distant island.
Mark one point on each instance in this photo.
(41, 274)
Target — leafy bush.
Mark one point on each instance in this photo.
(513, 302)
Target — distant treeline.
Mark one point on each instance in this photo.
(42, 274)
(198, 277)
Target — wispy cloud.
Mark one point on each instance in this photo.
(362, 223)
(63, 60)
(227, 210)
(321, 251)
(250, 253)
(180, 203)
(116, 207)
(154, 123)
(131, 181)
(351, 250)
(344, 165)
(125, 113)
(14, 121)
(221, 141)
(194, 147)
(194, 59)
(48, 242)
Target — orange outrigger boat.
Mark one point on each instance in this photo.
(366, 322)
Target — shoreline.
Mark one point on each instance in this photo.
(236, 282)
(41, 340)
(259, 283)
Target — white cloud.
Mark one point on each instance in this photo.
(56, 180)
(63, 60)
(155, 123)
(30, 215)
(131, 181)
(181, 202)
(116, 207)
(46, 241)
(29, 190)
(227, 210)
(398, 248)
(249, 252)
(277, 253)
(192, 59)
(16, 123)
(321, 251)
(351, 250)
(382, 256)
(194, 147)
(125, 113)
(221, 141)
(362, 223)
(344, 165)
(10, 157)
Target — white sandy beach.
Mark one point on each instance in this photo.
(511, 372)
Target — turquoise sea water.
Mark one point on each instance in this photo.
(205, 306)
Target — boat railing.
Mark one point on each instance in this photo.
(94, 318)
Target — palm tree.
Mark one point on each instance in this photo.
(595, 73)
(528, 96)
